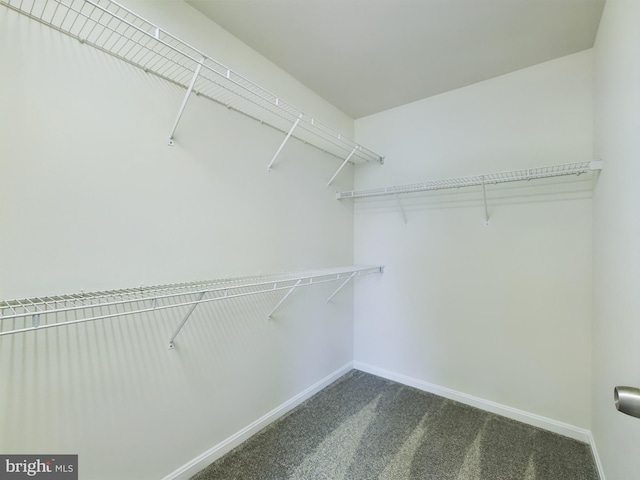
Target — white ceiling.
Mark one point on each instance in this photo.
(365, 56)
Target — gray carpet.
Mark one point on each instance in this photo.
(364, 427)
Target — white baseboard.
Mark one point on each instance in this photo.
(195, 465)
(539, 421)
(596, 457)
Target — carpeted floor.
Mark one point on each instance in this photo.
(364, 427)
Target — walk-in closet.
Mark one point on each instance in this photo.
(271, 240)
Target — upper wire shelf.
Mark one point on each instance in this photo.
(116, 30)
(38, 313)
(479, 180)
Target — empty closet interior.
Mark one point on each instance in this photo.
(193, 242)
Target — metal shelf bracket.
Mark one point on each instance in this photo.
(342, 285)
(286, 139)
(185, 100)
(486, 208)
(286, 295)
(404, 215)
(342, 166)
(184, 320)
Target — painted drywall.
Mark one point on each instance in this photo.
(616, 233)
(500, 312)
(92, 198)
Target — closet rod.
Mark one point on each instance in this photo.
(45, 310)
(477, 180)
(118, 31)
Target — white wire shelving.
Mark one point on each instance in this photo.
(483, 180)
(116, 30)
(30, 314)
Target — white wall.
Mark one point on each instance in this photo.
(500, 312)
(92, 198)
(616, 232)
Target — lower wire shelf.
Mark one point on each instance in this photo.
(39, 313)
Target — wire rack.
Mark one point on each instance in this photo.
(477, 180)
(23, 315)
(116, 30)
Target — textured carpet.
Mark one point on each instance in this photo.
(364, 427)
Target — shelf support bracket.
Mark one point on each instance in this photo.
(286, 295)
(486, 209)
(404, 215)
(342, 166)
(184, 100)
(293, 127)
(184, 320)
(342, 285)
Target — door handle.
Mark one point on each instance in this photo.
(627, 400)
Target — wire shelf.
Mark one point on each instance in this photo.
(58, 310)
(116, 30)
(478, 180)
